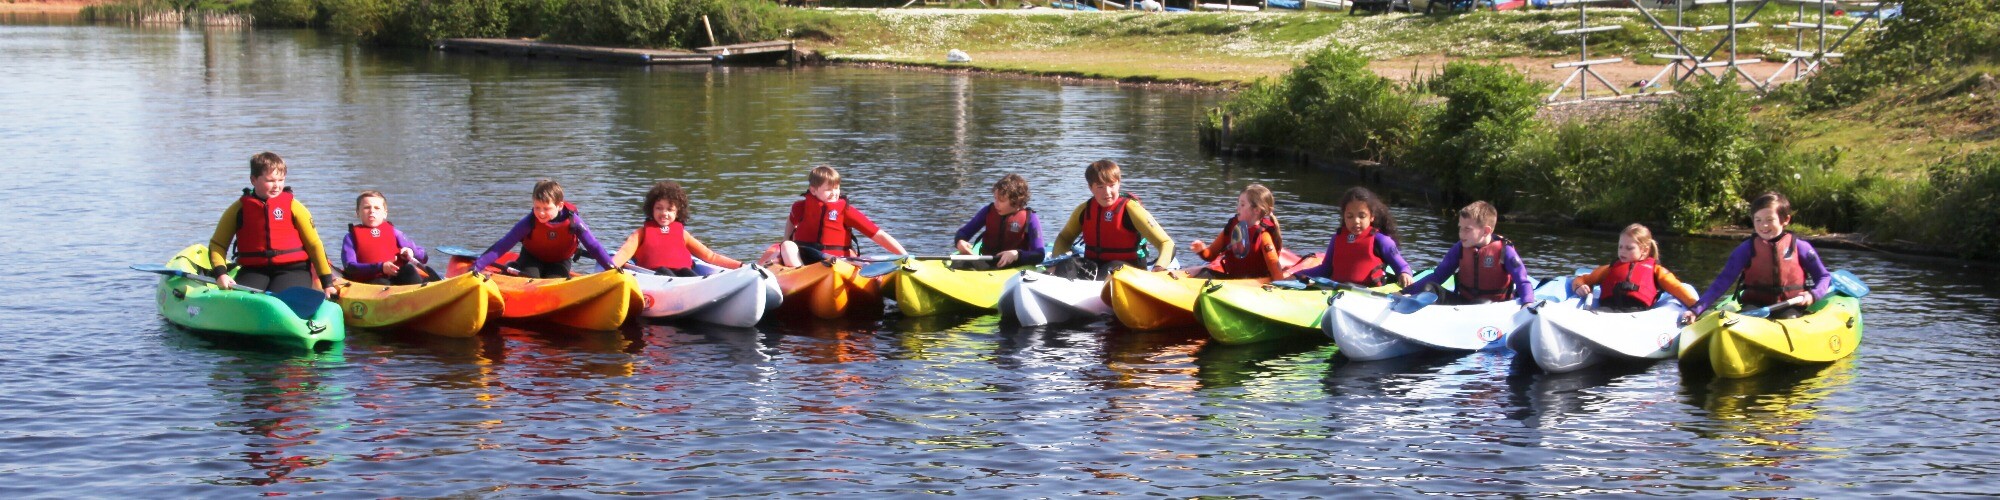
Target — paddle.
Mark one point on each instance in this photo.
(1844, 283)
(304, 301)
(459, 251)
(1398, 302)
(888, 263)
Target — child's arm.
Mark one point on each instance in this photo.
(507, 242)
(627, 250)
(417, 251)
(1732, 269)
(1393, 255)
(218, 244)
(1150, 229)
(1441, 273)
(1274, 270)
(700, 251)
(1581, 285)
(1815, 270)
(1210, 251)
(1524, 286)
(315, 253)
(1071, 229)
(1325, 267)
(860, 223)
(963, 238)
(352, 264)
(1672, 284)
(590, 242)
(1032, 251)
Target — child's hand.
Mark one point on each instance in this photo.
(390, 268)
(1199, 247)
(1687, 317)
(408, 254)
(331, 293)
(1579, 289)
(964, 247)
(226, 282)
(1403, 279)
(1004, 258)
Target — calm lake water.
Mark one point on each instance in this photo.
(123, 145)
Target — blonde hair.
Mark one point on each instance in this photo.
(1644, 237)
(823, 175)
(1481, 212)
(1260, 197)
(370, 194)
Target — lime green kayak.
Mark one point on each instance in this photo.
(1249, 314)
(200, 306)
(929, 287)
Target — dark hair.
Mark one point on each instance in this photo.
(1481, 212)
(370, 194)
(671, 192)
(1014, 188)
(1772, 199)
(1102, 172)
(265, 162)
(823, 174)
(1384, 221)
(548, 190)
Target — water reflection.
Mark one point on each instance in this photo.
(281, 400)
(1773, 416)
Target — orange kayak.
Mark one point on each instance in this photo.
(454, 307)
(829, 290)
(598, 301)
(1146, 300)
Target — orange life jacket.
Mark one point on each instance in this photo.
(553, 241)
(265, 235)
(829, 229)
(663, 247)
(1355, 260)
(1774, 274)
(1005, 233)
(1107, 234)
(1482, 272)
(1630, 285)
(1243, 258)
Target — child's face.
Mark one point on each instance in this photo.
(826, 192)
(1472, 234)
(664, 212)
(1767, 223)
(270, 185)
(1628, 250)
(1355, 217)
(372, 211)
(1002, 205)
(1104, 193)
(546, 211)
(1245, 211)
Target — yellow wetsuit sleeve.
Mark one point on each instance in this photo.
(1672, 284)
(303, 220)
(1150, 229)
(1070, 230)
(225, 232)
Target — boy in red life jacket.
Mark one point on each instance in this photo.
(548, 237)
(275, 244)
(1249, 243)
(1772, 266)
(375, 252)
(1007, 229)
(823, 225)
(1363, 252)
(1113, 227)
(1634, 282)
(663, 244)
(1485, 264)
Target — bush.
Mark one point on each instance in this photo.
(1331, 103)
(1965, 200)
(1488, 110)
(1929, 36)
(284, 13)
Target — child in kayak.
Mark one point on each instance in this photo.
(375, 252)
(275, 243)
(1772, 267)
(1249, 244)
(1007, 229)
(663, 245)
(548, 237)
(1485, 264)
(1113, 226)
(823, 225)
(1634, 282)
(1363, 252)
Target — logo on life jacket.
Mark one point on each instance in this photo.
(552, 235)
(1014, 226)
(832, 215)
(1351, 236)
(1107, 216)
(278, 213)
(1486, 262)
(375, 231)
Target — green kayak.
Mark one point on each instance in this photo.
(1244, 314)
(201, 306)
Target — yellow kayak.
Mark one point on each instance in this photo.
(454, 307)
(1738, 346)
(1147, 300)
(929, 287)
(829, 290)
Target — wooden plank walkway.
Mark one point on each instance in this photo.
(742, 53)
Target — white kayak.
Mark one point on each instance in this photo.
(1365, 327)
(1567, 336)
(1227, 7)
(736, 297)
(1034, 299)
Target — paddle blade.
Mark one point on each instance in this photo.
(303, 300)
(1325, 283)
(158, 269)
(1761, 312)
(881, 257)
(880, 269)
(1407, 304)
(1288, 285)
(638, 270)
(458, 251)
(1847, 283)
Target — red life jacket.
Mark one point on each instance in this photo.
(553, 241)
(1774, 274)
(1630, 285)
(826, 226)
(373, 245)
(1005, 233)
(663, 247)
(1357, 262)
(265, 235)
(1482, 272)
(1242, 258)
(1107, 234)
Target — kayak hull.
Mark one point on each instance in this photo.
(600, 301)
(252, 316)
(1034, 299)
(829, 290)
(735, 297)
(1238, 314)
(1365, 328)
(1738, 346)
(1565, 337)
(932, 287)
(1147, 300)
(458, 306)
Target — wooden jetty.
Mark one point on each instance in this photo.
(742, 53)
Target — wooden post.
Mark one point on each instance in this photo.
(1226, 123)
(711, 30)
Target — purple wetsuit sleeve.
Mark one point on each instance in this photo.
(350, 264)
(1386, 247)
(971, 227)
(404, 241)
(1732, 269)
(590, 243)
(1524, 286)
(1033, 251)
(513, 237)
(1815, 270)
(1441, 272)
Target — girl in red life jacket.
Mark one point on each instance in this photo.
(1635, 281)
(376, 252)
(1006, 229)
(272, 235)
(663, 245)
(1363, 251)
(1773, 267)
(1249, 243)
